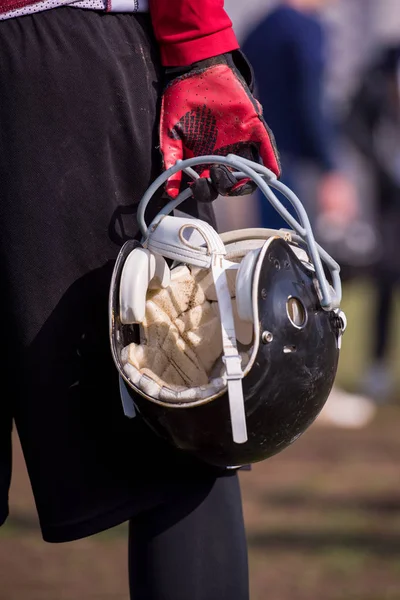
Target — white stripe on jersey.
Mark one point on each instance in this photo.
(114, 6)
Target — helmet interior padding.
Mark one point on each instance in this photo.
(180, 337)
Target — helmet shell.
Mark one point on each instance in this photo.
(287, 385)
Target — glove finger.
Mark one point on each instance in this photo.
(203, 190)
(226, 184)
(222, 179)
(173, 185)
(172, 150)
(243, 187)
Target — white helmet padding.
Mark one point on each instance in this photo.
(142, 270)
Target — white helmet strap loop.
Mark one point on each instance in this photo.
(172, 238)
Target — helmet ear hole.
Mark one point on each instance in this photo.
(296, 312)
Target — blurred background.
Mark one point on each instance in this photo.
(323, 517)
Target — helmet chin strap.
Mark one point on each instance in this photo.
(232, 358)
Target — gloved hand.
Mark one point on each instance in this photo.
(208, 108)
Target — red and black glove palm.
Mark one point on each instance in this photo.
(209, 109)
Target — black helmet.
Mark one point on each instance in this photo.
(231, 351)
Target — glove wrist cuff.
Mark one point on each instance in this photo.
(236, 60)
(172, 73)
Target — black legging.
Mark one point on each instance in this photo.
(193, 548)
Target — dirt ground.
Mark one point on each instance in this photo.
(323, 517)
(323, 522)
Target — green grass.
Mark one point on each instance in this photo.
(358, 301)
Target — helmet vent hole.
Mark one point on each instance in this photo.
(289, 349)
(296, 312)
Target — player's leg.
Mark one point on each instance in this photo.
(193, 548)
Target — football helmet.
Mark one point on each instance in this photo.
(226, 344)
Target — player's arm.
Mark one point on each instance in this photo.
(207, 105)
(191, 30)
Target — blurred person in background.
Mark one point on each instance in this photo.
(373, 125)
(287, 50)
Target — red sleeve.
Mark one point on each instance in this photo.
(191, 30)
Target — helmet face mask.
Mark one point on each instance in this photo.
(228, 353)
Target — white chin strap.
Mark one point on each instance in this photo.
(196, 243)
(232, 359)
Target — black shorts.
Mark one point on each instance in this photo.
(79, 94)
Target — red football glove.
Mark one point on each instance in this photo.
(209, 109)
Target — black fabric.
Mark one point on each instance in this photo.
(192, 548)
(78, 147)
(236, 60)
